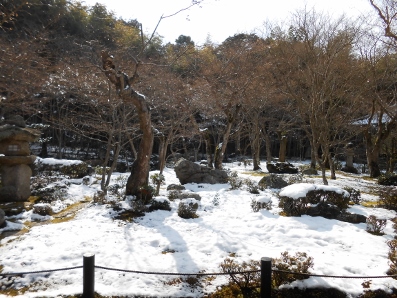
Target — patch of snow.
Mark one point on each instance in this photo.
(300, 190)
(193, 245)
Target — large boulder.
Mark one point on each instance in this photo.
(272, 181)
(281, 168)
(190, 172)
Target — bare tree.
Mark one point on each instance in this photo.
(139, 177)
(317, 69)
(387, 12)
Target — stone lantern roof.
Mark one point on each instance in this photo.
(15, 137)
(12, 132)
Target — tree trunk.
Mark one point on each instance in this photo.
(111, 169)
(105, 163)
(238, 143)
(139, 178)
(255, 157)
(208, 149)
(164, 142)
(197, 150)
(44, 150)
(373, 160)
(332, 166)
(312, 156)
(320, 161)
(220, 150)
(283, 147)
(255, 146)
(268, 147)
(140, 168)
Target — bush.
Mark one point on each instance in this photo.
(388, 179)
(50, 193)
(145, 194)
(99, 170)
(235, 181)
(138, 208)
(261, 203)
(247, 280)
(99, 197)
(75, 171)
(118, 189)
(157, 178)
(392, 255)
(375, 226)
(160, 203)
(173, 195)
(252, 187)
(187, 210)
(340, 200)
(300, 263)
(293, 207)
(388, 198)
(215, 200)
(355, 194)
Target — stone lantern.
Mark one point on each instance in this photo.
(15, 159)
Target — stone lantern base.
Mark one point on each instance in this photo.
(15, 174)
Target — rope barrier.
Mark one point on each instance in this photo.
(172, 273)
(335, 276)
(197, 274)
(42, 271)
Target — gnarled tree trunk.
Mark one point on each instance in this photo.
(139, 177)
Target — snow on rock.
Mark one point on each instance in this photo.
(300, 190)
(54, 161)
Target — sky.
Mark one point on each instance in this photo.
(220, 19)
(161, 241)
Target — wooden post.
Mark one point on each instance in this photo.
(266, 277)
(88, 276)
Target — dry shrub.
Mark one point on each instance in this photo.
(299, 263)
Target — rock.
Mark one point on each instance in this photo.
(179, 195)
(310, 171)
(175, 187)
(332, 212)
(324, 210)
(190, 172)
(42, 209)
(352, 218)
(351, 170)
(14, 208)
(187, 195)
(2, 219)
(281, 168)
(272, 181)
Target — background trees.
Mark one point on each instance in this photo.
(305, 83)
(318, 71)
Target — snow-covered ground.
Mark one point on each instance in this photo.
(161, 241)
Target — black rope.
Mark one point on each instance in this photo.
(42, 271)
(197, 274)
(334, 276)
(172, 273)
